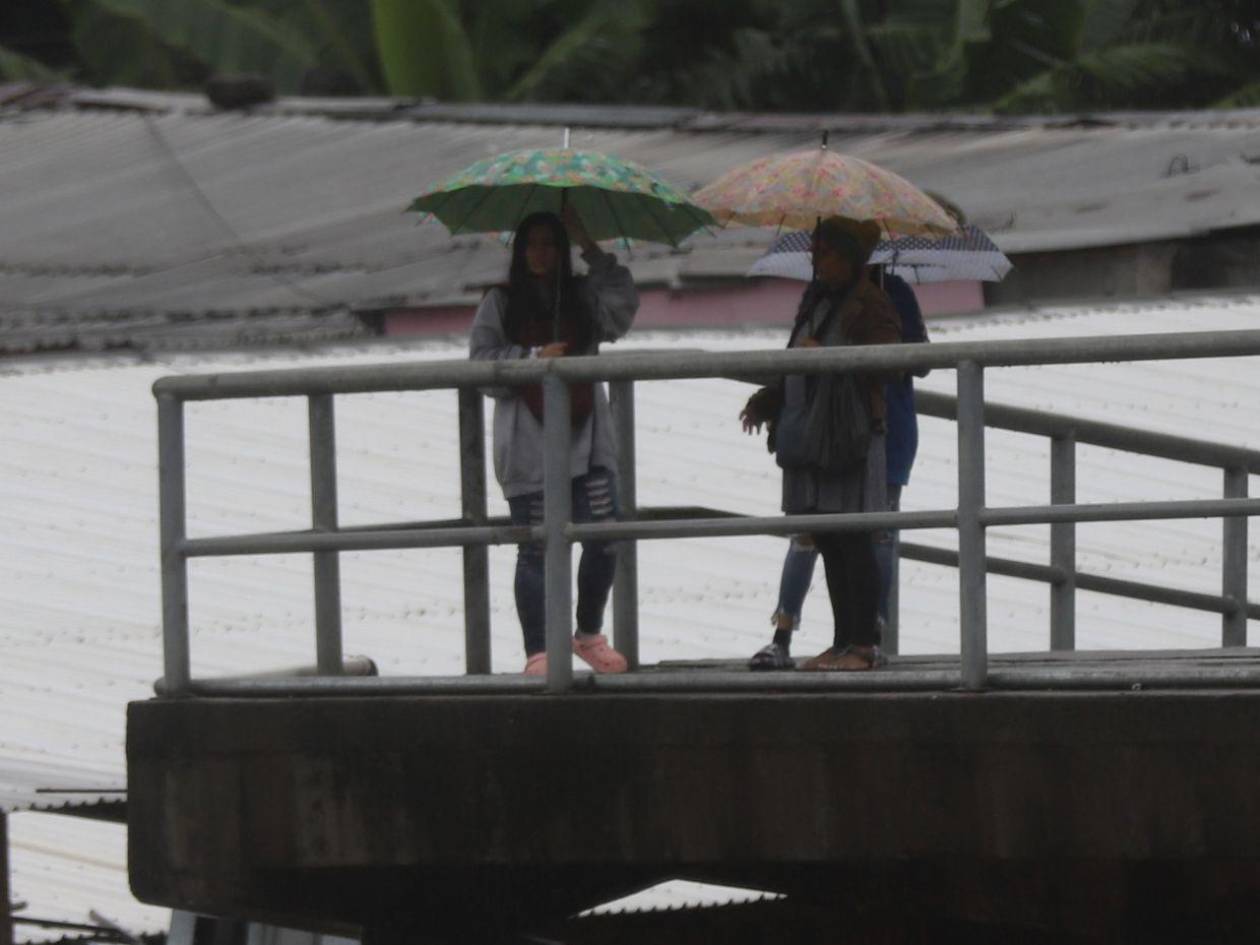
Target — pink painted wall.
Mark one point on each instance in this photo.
(950, 298)
(759, 302)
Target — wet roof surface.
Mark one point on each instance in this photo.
(150, 221)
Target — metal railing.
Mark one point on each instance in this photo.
(474, 533)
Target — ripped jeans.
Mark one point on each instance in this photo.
(594, 500)
(802, 555)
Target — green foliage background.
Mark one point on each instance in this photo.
(806, 55)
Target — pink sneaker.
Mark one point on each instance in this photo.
(593, 649)
(536, 665)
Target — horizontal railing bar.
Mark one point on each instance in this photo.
(1136, 590)
(1095, 433)
(441, 533)
(903, 357)
(1007, 567)
(761, 525)
(496, 684)
(650, 513)
(1119, 511)
(391, 537)
(426, 375)
(351, 666)
(895, 678)
(279, 543)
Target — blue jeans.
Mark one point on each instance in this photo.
(594, 500)
(798, 568)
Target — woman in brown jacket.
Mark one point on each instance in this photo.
(841, 306)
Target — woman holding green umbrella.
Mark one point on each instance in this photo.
(545, 311)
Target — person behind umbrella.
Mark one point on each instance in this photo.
(900, 445)
(841, 306)
(545, 311)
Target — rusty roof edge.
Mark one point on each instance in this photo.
(630, 116)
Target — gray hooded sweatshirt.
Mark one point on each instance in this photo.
(518, 440)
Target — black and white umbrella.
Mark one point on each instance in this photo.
(967, 256)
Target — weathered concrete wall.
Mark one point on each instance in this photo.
(1112, 815)
(1111, 272)
(1227, 260)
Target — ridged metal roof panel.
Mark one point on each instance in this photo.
(79, 609)
(72, 870)
(186, 210)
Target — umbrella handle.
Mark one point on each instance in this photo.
(555, 308)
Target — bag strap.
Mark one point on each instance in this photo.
(837, 303)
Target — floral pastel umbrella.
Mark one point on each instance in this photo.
(793, 191)
(615, 198)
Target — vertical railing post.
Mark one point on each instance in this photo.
(323, 449)
(557, 510)
(626, 582)
(6, 896)
(173, 516)
(1063, 543)
(472, 480)
(890, 640)
(972, 577)
(1234, 563)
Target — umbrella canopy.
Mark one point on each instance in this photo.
(616, 199)
(969, 255)
(794, 190)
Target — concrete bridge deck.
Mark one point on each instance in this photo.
(1120, 804)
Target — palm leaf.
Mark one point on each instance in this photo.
(339, 30)
(119, 48)
(947, 83)
(972, 22)
(1131, 75)
(16, 67)
(754, 74)
(609, 33)
(502, 43)
(907, 49)
(229, 39)
(857, 35)
(424, 49)
(1106, 21)
(1248, 96)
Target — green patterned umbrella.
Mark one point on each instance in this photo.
(616, 199)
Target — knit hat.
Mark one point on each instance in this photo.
(855, 238)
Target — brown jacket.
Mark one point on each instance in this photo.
(866, 318)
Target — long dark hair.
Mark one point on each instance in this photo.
(524, 301)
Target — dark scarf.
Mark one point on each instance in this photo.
(814, 293)
(531, 323)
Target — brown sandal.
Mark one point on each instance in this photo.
(849, 658)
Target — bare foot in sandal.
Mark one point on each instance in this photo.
(845, 659)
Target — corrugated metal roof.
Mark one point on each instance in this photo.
(158, 210)
(79, 606)
(54, 784)
(681, 894)
(69, 870)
